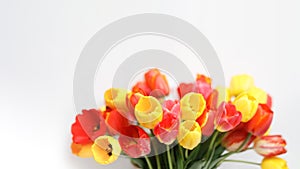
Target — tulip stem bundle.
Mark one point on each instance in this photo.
(200, 128)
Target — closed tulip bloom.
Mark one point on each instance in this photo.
(106, 149)
(185, 88)
(274, 163)
(142, 88)
(235, 138)
(148, 112)
(82, 150)
(240, 83)
(270, 146)
(192, 106)
(203, 85)
(247, 105)
(135, 142)
(227, 117)
(189, 134)
(157, 82)
(261, 121)
(260, 95)
(115, 121)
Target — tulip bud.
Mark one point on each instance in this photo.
(274, 163)
(247, 105)
(157, 82)
(189, 134)
(234, 139)
(227, 117)
(261, 121)
(260, 95)
(270, 146)
(240, 83)
(192, 106)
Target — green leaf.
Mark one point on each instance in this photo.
(197, 165)
(139, 162)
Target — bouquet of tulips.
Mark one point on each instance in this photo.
(201, 128)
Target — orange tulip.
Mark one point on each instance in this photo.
(157, 82)
(269, 146)
(261, 121)
(235, 138)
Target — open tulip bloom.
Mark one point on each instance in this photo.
(201, 128)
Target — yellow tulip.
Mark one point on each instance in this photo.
(274, 163)
(192, 106)
(83, 151)
(189, 135)
(247, 105)
(115, 98)
(240, 83)
(106, 149)
(148, 112)
(260, 95)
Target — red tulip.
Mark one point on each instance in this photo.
(227, 117)
(115, 121)
(235, 138)
(269, 146)
(134, 141)
(88, 126)
(157, 82)
(185, 88)
(142, 88)
(166, 131)
(261, 121)
(173, 107)
(202, 120)
(209, 126)
(203, 87)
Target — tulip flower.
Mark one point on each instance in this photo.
(148, 112)
(227, 117)
(261, 121)
(166, 131)
(274, 163)
(83, 151)
(173, 107)
(189, 134)
(203, 85)
(185, 88)
(106, 149)
(115, 121)
(142, 88)
(209, 127)
(260, 95)
(88, 126)
(116, 98)
(192, 106)
(235, 138)
(269, 101)
(247, 105)
(135, 142)
(202, 120)
(157, 82)
(270, 146)
(240, 83)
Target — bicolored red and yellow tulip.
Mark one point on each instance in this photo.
(157, 82)
(106, 149)
(189, 134)
(82, 150)
(261, 121)
(270, 146)
(192, 106)
(166, 131)
(134, 141)
(227, 117)
(247, 105)
(235, 138)
(274, 163)
(240, 84)
(148, 112)
(88, 126)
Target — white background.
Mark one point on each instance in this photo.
(40, 42)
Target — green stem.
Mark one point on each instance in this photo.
(242, 161)
(186, 153)
(169, 158)
(148, 162)
(157, 161)
(211, 149)
(180, 150)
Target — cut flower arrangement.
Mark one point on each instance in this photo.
(201, 128)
